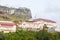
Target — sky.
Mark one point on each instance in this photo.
(48, 9)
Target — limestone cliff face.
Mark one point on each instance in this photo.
(21, 12)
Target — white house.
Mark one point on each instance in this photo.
(49, 23)
(37, 24)
(7, 26)
(30, 26)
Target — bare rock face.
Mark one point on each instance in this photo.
(21, 12)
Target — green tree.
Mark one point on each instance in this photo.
(45, 27)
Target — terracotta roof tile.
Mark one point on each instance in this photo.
(6, 24)
(46, 20)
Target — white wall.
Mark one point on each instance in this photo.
(8, 28)
(38, 24)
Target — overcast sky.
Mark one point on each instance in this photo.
(49, 9)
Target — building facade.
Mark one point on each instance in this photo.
(7, 26)
(37, 24)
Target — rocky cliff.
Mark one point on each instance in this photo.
(21, 12)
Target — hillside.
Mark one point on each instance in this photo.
(9, 17)
(7, 13)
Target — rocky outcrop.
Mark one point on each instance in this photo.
(21, 12)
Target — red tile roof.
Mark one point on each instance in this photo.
(31, 22)
(46, 20)
(6, 24)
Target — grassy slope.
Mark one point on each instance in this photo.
(11, 17)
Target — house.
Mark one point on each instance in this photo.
(49, 23)
(37, 24)
(30, 25)
(7, 26)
